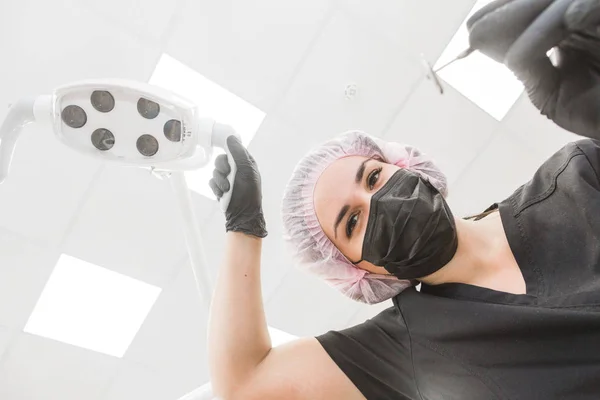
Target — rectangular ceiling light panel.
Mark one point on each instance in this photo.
(91, 307)
(488, 84)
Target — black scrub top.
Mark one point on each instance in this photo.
(457, 341)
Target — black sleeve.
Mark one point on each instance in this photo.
(375, 356)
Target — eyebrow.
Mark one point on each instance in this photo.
(339, 218)
(358, 179)
(361, 170)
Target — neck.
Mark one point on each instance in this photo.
(479, 246)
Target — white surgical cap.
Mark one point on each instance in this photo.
(313, 250)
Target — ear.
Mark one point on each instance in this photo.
(374, 269)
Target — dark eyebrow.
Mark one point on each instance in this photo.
(339, 218)
(361, 169)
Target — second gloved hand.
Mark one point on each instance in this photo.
(244, 213)
(520, 33)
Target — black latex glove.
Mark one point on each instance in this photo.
(520, 33)
(244, 213)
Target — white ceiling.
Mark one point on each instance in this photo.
(292, 59)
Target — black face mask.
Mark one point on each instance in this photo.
(411, 231)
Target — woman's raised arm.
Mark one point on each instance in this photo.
(243, 364)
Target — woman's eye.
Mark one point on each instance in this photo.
(373, 178)
(351, 224)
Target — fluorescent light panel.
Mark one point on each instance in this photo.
(489, 84)
(215, 102)
(91, 307)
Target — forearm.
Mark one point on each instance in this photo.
(238, 335)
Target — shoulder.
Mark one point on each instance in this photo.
(587, 148)
(579, 159)
(564, 156)
(570, 166)
(375, 355)
(591, 149)
(387, 322)
(299, 370)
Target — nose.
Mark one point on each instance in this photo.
(363, 200)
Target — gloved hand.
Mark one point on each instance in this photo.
(244, 213)
(520, 33)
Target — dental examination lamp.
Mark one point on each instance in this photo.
(135, 125)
